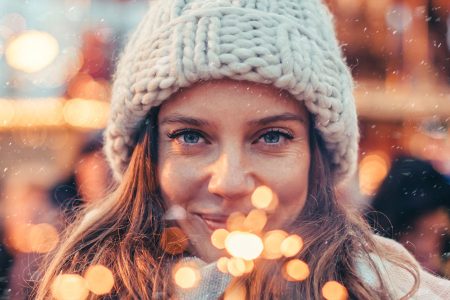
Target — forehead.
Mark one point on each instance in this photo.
(238, 98)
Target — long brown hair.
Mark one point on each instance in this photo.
(123, 233)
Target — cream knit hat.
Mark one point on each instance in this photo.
(289, 44)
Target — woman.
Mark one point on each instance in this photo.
(211, 100)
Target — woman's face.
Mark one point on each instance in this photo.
(218, 142)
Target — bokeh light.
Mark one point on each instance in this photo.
(222, 264)
(42, 238)
(69, 287)
(262, 197)
(249, 265)
(31, 51)
(291, 245)
(272, 244)
(235, 291)
(236, 221)
(85, 87)
(373, 168)
(244, 245)
(85, 113)
(295, 270)
(218, 238)
(37, 238)
(99, 279)
(255, 220)
(333, 290)
(7, 113)
(174, 240)
(186, 275)
(236, 266)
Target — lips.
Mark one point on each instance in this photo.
(213, 221)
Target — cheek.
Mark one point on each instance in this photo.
(290, 183)
(177, 181)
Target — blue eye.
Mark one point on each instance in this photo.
(271, 137)
(191, 137)
(185, 136)
(275, 136)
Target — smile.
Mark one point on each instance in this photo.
(212, 221)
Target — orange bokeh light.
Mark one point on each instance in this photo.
(255, 220)
(236, 266)
(99, 279)
(295, 270)
(272, 244)
(291, 245)
(222, 264)
(236, 221)
(186, 275)
(373, 168)
(262, 197)
(218, 238)
(69, 287)
(333, 290)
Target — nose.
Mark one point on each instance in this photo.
(231, 178)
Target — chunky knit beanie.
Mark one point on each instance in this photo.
(290, 44)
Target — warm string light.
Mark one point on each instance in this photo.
(34, 238)
(97, 279)
(186, 275)
(31, 51)
(333, 290)
(51, 112)
(245, 241)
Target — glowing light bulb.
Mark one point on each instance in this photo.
(69, 287)
(333, 290)
(291, 245)
(99, 279)
(244, 245)
(31, 51)
(295, 270)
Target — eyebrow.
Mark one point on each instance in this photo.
(263, 121)
(276, 118)
(184, 120)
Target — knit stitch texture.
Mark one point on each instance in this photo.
(289, 44)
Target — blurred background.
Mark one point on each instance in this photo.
(56, 62)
